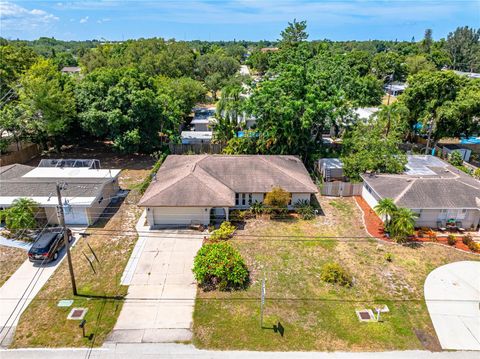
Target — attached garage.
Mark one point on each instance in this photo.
(178, 215)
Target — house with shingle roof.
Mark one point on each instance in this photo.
(86, 191)
(191, 189)
(435, 190)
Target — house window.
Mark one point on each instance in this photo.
(462, 214)
(243, 199)
(237, 199)
(249, 199)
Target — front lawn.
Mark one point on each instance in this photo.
(10, 260)
(44, 324)
(316, 315)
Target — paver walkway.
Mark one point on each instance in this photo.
(452, 294)
(162, 288)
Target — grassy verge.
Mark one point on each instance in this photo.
(44, 324)
(10, 260)
(316, 315)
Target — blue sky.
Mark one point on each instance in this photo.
(234, 19)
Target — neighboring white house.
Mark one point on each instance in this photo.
(395, 88)
(365, 113)
(194, 188)
(203, 119)
(432, 188)
(86, 193)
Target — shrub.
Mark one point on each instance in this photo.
(455, 158)
(476, 173)
(334, 273)
(219, 264)
(451, 239)
(467, 239)
(224, 232)
(277, 199)
(257, 208)
(388, 257)
(473, 246)
(146, 182)
(305, 209)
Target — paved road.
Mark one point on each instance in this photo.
(19, 290)
(452, 294)
(162, 289)
(179, 351)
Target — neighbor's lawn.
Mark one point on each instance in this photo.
(44, 324)
(315, 315)
(10, 260)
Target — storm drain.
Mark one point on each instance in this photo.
(77, 313)
(365, 315)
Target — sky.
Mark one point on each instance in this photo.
(234, 19)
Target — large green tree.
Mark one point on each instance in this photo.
(464, 47)
(122, 105)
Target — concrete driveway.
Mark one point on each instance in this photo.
(452, 294)
(20, 289)
(161, 294)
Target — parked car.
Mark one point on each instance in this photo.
(48, 244)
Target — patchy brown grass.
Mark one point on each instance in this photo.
(44, 324)
(10, 260)
(316, 315)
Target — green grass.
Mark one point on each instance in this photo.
(316, 315)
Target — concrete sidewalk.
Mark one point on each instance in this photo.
(170, 351)
(162, 289)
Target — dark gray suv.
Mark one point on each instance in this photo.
(48, 244)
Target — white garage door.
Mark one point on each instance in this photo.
(180, 215)
(76, 215)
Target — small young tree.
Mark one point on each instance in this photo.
(277, 199)
(21, 215)
(402, 224)
(386, 208)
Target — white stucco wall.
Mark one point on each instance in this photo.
(178, 215)
(368, 197)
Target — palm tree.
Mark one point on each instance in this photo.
(403, 223)
(21, 215)
(386, 208)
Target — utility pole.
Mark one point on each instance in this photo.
(61, 220)
(430, 129)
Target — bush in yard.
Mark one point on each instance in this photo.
(455, 158)
(473, 246)
(451, 239)
(466, 239)
(335, 274)
(224, 232)
(305, 209)
(277, 199)
(257, 208)
(21, 215)
(389, 257)
(219, 264)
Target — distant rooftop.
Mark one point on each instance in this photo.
(365, 113)
(71, 69)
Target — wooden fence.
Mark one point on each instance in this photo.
(23, 155)
(196, 148)
(341, 189)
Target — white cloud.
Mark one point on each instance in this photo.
(17, 19)
(84, 20)
(101, 21)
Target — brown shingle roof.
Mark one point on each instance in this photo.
(213, 180)
(438, 186)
